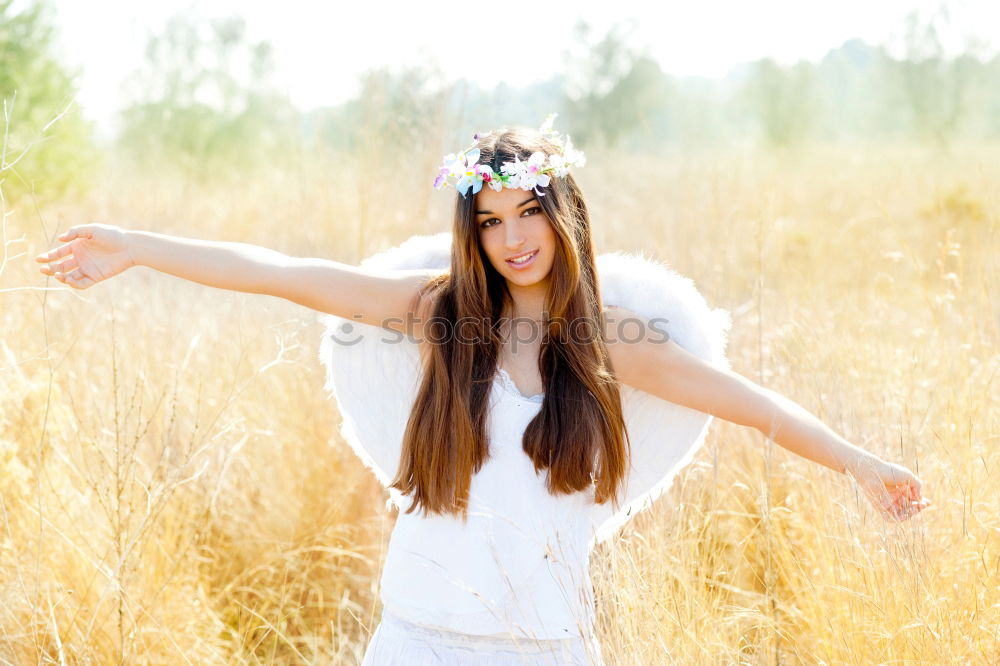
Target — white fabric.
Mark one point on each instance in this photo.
(664, 436)
(397, 642)
(373, 373)
(518, 566)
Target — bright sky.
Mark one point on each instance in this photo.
(321, 47)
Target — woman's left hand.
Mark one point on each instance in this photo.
(893, 490)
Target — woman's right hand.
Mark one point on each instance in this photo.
(894, 490)
(91, 253)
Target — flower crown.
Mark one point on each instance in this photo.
(463, 171)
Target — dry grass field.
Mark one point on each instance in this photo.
(174, 490)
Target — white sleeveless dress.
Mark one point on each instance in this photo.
(511, 586)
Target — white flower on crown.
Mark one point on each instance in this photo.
(514, 170)
(559, 166)
(573, 156)
(532, 175)
(546, 128)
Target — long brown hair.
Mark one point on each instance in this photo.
(579, 433)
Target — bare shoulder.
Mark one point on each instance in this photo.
(424, 305)
(637, 346)
(427, 300)
(422, 291)
(622, 325)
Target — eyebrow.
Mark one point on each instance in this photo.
(489, 212)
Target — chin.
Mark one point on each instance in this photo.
(528, 280)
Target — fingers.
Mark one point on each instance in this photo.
(902, 477)
(900, 503)
(915, 493)
(64, 266)
(57, 253)
(908, 487)
(82, 231)
(75, 278)
(59, 275)
(894, 503)
(896, 496)
(68, 270)
(906, 509)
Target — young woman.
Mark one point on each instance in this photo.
(519, 414)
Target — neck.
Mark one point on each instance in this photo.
(528, 302)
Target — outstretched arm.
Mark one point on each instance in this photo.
(95, 252)
(668, 371)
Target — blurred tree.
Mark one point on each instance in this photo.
(394, 107)
(396, 122)
(606, 84)
(989, 99)
(205, 98)
(395, 125)
(850, 94)
(782, 99)
(700, 112)
(933, 87)
(645, 101)
(47, 148)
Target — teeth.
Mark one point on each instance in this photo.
(522, 259)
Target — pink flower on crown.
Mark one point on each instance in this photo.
(532, 175)
(489, 177)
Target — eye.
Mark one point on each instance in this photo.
(526, 212)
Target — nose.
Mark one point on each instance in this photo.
(514, 234)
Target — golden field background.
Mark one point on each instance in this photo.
(174, 488)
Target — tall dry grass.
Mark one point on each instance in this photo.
(173, 488)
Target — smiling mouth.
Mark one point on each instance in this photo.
(523, 258)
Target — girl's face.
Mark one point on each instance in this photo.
(512, 225)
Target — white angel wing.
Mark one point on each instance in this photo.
(664, 436)
(373, 374)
